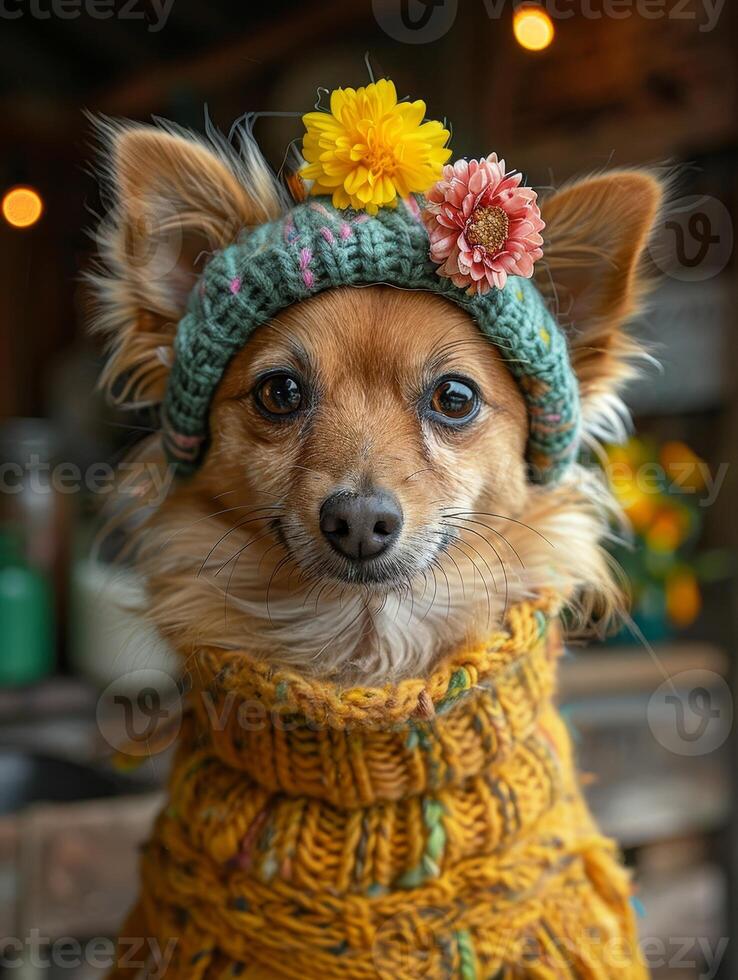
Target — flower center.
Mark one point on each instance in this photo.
(380, 160)
(488, 226)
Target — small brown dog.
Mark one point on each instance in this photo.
(236, 557)
(362, 518)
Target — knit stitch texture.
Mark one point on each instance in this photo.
(434, 828)
(316, 247)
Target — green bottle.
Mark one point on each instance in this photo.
(26, 634)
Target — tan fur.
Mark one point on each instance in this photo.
(235, 558)
(175, 199)
(596, 231)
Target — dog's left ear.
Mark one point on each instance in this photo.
(593, 270)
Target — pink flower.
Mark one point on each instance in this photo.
(482, 225)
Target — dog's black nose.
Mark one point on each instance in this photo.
(361, 525)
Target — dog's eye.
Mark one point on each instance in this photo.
(454, 401)
(279, 394)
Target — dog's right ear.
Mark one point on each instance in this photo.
(176, 198)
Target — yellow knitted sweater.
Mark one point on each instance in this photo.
(434, 828)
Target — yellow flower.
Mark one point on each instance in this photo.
(683, 466)
(683, 598)
(370, 148)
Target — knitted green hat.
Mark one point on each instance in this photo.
(315, 247)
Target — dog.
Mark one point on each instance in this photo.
(363, 505)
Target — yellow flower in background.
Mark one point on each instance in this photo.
(668, 529)
(683, 466)
(683, 597)
(640, 510)
(370, 148)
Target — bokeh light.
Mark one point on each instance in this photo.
(533, 28)
(22, 207)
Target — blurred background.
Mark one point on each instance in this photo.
(558, 89)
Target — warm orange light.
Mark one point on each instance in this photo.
(22, 207)
(533, 28)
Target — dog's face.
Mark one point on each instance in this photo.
(375, 422)
(363, 502)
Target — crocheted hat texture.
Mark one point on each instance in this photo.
(434, 828)
(317, 247)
